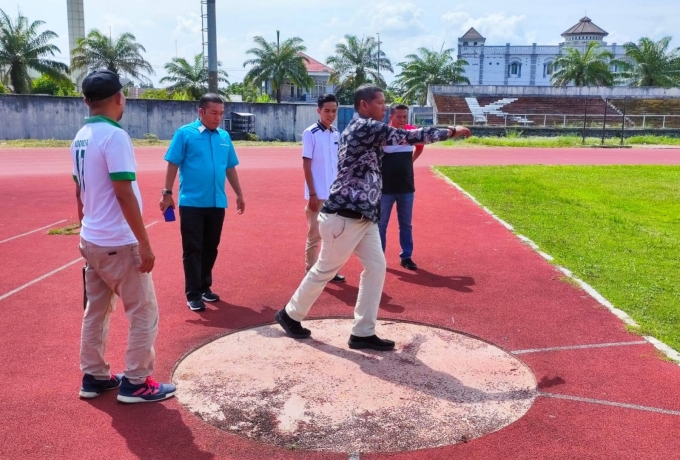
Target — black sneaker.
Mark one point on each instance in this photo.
(373, 342)
(409, 264)
(196, 305)
(338, 279)
(293, 328)
(210, 296)
(91, 387)
(149, 391)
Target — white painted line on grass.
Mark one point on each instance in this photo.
(32, 231)
(579, 347)
(47, 275)
(611, 403)
(623, 316)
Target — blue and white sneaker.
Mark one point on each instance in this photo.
(92, 387)
(149, 391)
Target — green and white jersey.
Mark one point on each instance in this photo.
(102, 153)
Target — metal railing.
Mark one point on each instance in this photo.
(557, 120)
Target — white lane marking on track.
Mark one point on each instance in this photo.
(47, 275)
(32, 231)
(353, 457)
(623, 316)
(579, 347)
(611, 403)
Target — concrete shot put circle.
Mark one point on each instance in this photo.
(437, 388)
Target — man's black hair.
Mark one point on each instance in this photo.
(366, 93)
(326, 98)
(394, 108)
(208, 98)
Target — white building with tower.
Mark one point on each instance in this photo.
(511, 65)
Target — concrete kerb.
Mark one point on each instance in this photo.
(623, 316)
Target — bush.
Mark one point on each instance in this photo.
(252, 137)
(47, 85)
(3, 89)
(155, 94)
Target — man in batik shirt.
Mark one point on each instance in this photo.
(348, 221)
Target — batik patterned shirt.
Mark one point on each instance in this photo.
(358, 186)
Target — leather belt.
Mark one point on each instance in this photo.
(344, 213)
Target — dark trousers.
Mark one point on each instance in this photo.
(201, 230)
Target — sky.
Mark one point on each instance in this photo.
(169, 28)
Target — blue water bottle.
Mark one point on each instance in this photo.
(169, 214)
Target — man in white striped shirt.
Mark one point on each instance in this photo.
(320, 164)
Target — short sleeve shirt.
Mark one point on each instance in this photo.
(397, 168)
(102, 153)
(203, 157)
(320, 144)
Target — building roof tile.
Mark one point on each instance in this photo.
(585, 26)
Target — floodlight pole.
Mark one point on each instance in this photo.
(212, 47)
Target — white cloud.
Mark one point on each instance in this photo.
(326, 47)
(188, 25)
(494, 26)
(116, 24)
(396, 17)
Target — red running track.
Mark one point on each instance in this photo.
(624, 401)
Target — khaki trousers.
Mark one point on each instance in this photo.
(111, 272)
(313, 239)
(341, 237)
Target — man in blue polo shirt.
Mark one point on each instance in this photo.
(204, 155)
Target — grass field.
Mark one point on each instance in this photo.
(515, 140)
(615, 227)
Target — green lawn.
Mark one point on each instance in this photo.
(615, 227)
(54, 143)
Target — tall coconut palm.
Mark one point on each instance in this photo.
(429, 68)
(356, 62)
(122, 55)
(23, 48)
(651, 63)
(190, 78)
(588, 68)
(276, 62)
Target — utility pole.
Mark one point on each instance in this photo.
(212, 47)
(378, 62)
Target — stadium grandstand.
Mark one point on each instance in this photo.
(550, 107)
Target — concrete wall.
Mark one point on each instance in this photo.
(45, 117)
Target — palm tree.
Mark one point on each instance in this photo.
(651, 63)
(590, 68)
(191, 79)
(121, 56)
(356, 62)
(276, 63)
(429, 68)
(22, 49)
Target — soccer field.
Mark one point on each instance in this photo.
(615, 227)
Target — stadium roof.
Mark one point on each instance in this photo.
(472, 34)
(313, 65)
(585, 26)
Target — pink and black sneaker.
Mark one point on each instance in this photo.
(149, 391)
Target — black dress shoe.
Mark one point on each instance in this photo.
(338, 279)
(196, 305)
(409, 264)
(293, 328)
(373, 342)
(210, 296)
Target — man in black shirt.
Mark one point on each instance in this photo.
(399, 187)
(348, 221)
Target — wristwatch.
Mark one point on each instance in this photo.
(166, 192)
